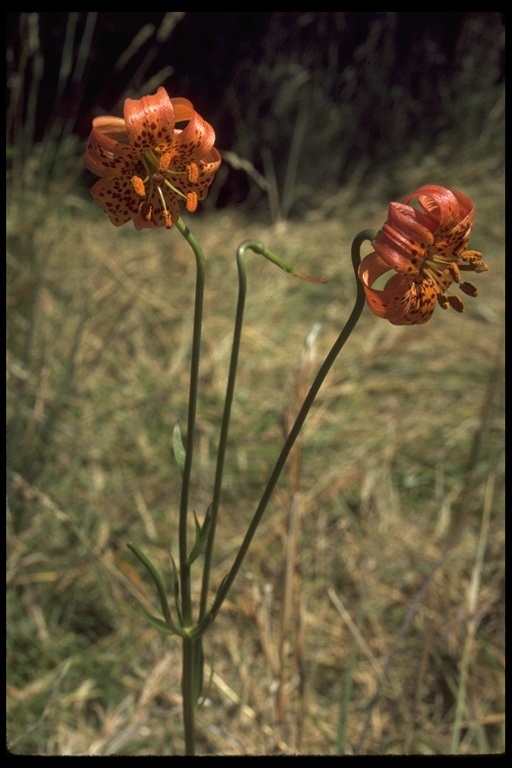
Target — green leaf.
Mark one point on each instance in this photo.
(178, 448)
(201, 535)
(157, 579)
(156, 622)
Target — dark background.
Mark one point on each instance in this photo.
(309, 99)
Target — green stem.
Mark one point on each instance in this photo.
(186, 602)
(294, 432)
(261, 249)
(187, 691)
(226, 416)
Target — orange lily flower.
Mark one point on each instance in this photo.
(147, 165)
(427, 250)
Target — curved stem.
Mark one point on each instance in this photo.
(226, 416)
(293, 434)
(186, 603)
(261, 249)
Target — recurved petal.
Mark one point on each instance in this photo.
(208, 167)
(371, 268)
(183, 109)
(196, 139)
(108, 153)
(405, 238)
(404, 300)
(449, 207)
(150, 122)
(454, 212)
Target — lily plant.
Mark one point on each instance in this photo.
(160, 157)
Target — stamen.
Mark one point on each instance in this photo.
(442, 300)
(192, 172)
(165, 161)
(191, 203)
(439, 276)
(468, 289)
(165, 210)
(146, 210)
(456, 303)
(138, 186)
(173, 189)
(474, 261)
(453, 271)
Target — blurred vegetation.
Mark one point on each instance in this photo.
(390, 637)
(301, 101)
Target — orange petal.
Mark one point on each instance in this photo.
(404, 300)
(108, 153)
(194, 141)
(405, 238)
(150, 122)
(183, 109)
(454, 213)
(118, 199)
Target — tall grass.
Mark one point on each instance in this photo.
(369, 616)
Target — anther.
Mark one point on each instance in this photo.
(145, 210)
(456, 303)
(453, 271)
(191, 203)
(468, 289)
(192, 172)
(138, 186)
(165, 161)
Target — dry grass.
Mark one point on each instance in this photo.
(368, 616)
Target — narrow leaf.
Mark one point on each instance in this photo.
(157, 579)
(156, 622)
(201, 536)
(178, 448)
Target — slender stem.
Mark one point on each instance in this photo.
(187, 691)
(293, 434)
(226, 416)
(186, 603)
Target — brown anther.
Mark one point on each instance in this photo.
(472, 257)
(138, 186)
(453, 271)
(468, 289)
(145, 210)
(192, 172)
(442, 300)
(456, 303)
(165, 161)
(191, 203)
(473, 261)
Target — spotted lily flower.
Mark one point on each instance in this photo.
(427, 251)
(148, 166)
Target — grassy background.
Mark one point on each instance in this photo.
(387, 635)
